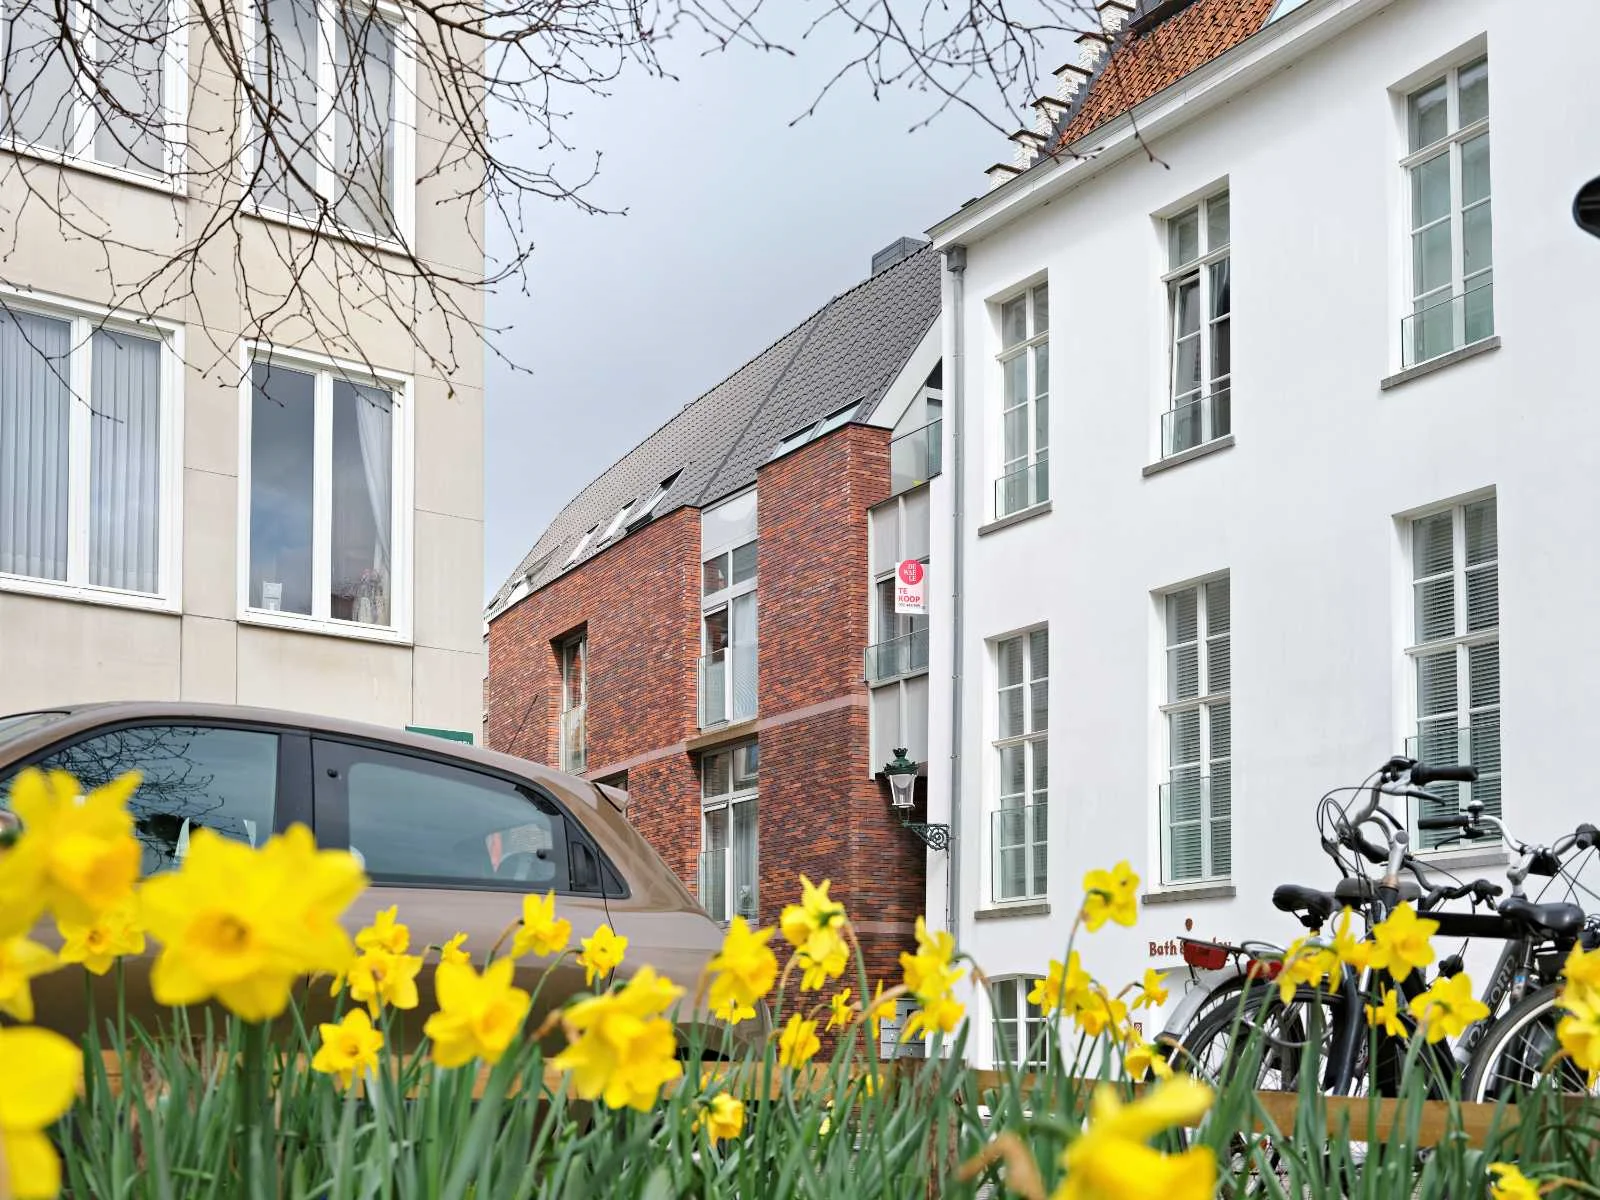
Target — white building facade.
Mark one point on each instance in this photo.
(1278, 456)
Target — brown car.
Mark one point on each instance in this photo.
(455, 836)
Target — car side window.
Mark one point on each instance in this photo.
(194, 777)
(417, 819)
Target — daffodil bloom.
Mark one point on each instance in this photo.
(623, 1051)
(77, 855)
(839, 1010)
(1142, 1058)
(1111, 896)
(386, 934)
(1308, 963)
(1350, 950)
(816, 911)
(1099, 1012)
(1578, 1031)
(1110, 1159)
(722, 1117)
(879, 1010)
(1064, 986)
(1511, 1184)
(39, 1075)
(543, 933)
(1448, 1007)
(478, 1014)
(1152, 992)
(348, 1047)
(929, 973)
(942, 1014)
(453, 951)
(115, 933)
(1385, 1015)
(241, 925)
(20, 962)
(377, 978)
(601, 954)
(745, 970)
(824, 956)
(1582, 972)
(1400, 942)
(798, 1044)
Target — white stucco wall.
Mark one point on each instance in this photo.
(1303, 511)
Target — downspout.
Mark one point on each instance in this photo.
(955, 261)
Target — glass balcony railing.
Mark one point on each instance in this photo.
(1447, 323)
(1201, 419)
(728, 884)
(728, 685)
(905, 655)
(1020, 837)
(574, 740)
(914, 457)
(1022, 489)
(1441, 743)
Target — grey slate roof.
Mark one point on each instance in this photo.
(850, 349)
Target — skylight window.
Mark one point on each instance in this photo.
(616, 522)
(811, 433)
(583, 544)
(642, 511)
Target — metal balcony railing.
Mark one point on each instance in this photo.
(1196, 421)
(1020, 837)
(1448, 323)
(728, 685)
(574, 740)
(1443, 743)
(1022, 488)
(905, 655)
(915, 457)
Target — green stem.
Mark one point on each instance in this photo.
(260, 1161)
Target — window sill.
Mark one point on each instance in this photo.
(324, 229)
(1016, 518)
(1185, 894)
(1000, 912)
(296, 623)
(719, 735)
(166, 186)
(51, 589)
(1456, 860)
(1440, 363)
(1225, 442)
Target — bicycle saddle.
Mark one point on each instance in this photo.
(1297, 898)
(1559, 920)
(1355, 890)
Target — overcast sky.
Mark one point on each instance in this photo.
(739, 225)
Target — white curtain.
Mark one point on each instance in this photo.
(125, 462)
(375, 427)
(33, 444)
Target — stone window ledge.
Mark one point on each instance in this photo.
(1440, 363)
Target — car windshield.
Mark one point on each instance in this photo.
(20, 724)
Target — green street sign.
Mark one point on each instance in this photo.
(449, 735)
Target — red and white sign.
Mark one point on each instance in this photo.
(911, 587)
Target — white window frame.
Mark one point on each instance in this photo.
(724, 803)
(576, 645)
(1198, 271)
(1203, 703)
(403, 203)
(1024, 1028)
(400, 590)
(85, 319)
(1450, 144)
(1036, 453)
(1463, 641)
(79, 153)
(1028, 740)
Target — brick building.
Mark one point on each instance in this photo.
(710, 624)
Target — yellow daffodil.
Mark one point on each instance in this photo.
(241, 925)
(879, 1010)
(377, 978)
(348, 1047)
(722, 1117)
(39, 1075)
(745, 970)
(386, 934)
(77, 855)
(1400, 942)
(623, 1050)
(941, 1014)
(1581, 974)
(816, 911)
(1309, 963)
(601, 954)
(798, 1044)
(115, 933)
(1511, 1184)
(1111, 896)
(929, 973)
(1152, 993)
(839, 1010)
(543, 933)
(1142, 1059)
(478, 1014)
(1350, 950)
(824, 956)
(1447, 1008)
(1099, 1012)
(1386, 1014)
(1578, 1031)
(1064, 987)
(1110, 1159)
(454, 951)
(20, 962)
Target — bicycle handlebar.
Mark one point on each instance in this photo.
(1422, 774)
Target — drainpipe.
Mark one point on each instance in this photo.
(955, 261)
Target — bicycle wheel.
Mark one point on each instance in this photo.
(1215, 1047)
(1516, 1051)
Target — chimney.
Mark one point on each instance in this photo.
(895, 252)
